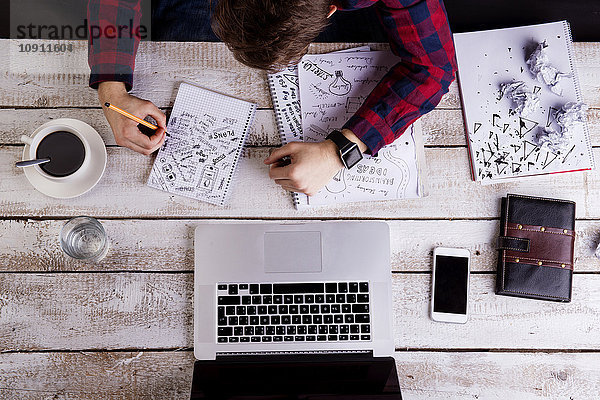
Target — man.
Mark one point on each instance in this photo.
(271, 34)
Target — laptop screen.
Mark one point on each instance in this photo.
(310, 377)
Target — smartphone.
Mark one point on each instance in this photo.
(450, 285)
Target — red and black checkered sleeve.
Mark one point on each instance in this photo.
(111, 43)
(419, 34)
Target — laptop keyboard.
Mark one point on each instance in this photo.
(293, 312)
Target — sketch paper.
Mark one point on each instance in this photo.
(503, 143)
(286, 100)
(333, 87)
(205, 136)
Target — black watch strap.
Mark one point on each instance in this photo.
(349, 151)
(340, 140)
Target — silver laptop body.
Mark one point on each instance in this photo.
(243, 256)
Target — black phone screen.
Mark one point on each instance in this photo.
(450, 290)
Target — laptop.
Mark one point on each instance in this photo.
(293, 310)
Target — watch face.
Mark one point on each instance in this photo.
(352, 156)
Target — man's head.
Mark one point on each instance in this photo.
(270, 34)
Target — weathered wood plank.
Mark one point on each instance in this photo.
(441, 127)
(17, 122)
(422, 375)
(106, 376)
(77, 311)
(122, 192)
(425, 375)
(41, 81)
(146, 245)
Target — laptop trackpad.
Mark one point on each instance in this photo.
(292, 252)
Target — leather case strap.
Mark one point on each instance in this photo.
(513, 243)
(548, 246)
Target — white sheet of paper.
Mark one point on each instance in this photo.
(502, 143)
(206, 134)
(333, 87)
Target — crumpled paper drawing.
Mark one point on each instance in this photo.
(539, 65)
(570, 114)
(522, 96)
(552, 140)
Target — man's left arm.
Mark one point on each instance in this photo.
(419, 34)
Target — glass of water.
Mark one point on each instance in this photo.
(84, 238)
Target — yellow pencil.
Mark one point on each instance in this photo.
(130, 116)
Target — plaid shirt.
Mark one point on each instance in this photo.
(418, 32)
(112, 58)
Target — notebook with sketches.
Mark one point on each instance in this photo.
(393, 174)
(510, 137)
(206, 134)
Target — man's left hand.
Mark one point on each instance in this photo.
(310, 167)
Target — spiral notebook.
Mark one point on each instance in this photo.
(504, 144)
(394, 173)
(205, 137)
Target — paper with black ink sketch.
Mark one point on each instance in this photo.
(206, 134)
(333, 87)
(285, 90)
(502, 143)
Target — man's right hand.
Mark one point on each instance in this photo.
(125, 130)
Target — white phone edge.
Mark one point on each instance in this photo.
(448, 317)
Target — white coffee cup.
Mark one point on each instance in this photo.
(43, 131)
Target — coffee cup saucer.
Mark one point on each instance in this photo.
(80, 183)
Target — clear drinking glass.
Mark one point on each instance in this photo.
(84, 238)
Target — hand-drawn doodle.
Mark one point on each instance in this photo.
(338, 183)
(318, 130)
(316, 70)
(208, 177)
(476, 127)
(568, 153)
(547, 162)
(353, 103)
(292, 78)
(318, 92)
(552, 115)
(526, 126)
(340, 86)
(494, 118)
(404, 173)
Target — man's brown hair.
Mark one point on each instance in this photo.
(269, 34)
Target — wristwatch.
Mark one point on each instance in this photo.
(349, 151)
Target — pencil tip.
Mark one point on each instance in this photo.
(107, 104)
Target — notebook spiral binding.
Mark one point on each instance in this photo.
(278, 121)
(232, 173)
(280, 125)
(569, 38)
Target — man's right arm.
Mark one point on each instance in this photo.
(111, 56)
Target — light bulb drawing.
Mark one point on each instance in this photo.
(340, 86)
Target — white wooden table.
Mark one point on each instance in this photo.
(123, 329)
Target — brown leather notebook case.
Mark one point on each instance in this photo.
(536, 243)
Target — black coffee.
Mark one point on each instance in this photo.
(66, 153)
